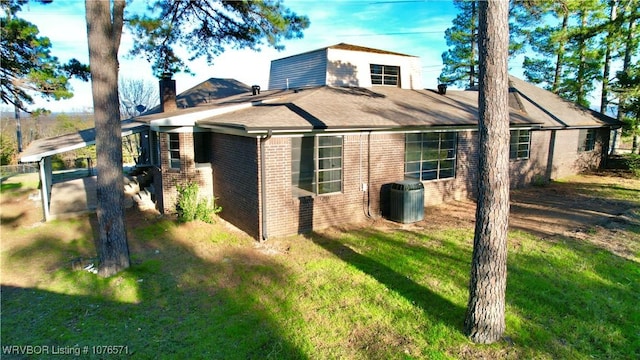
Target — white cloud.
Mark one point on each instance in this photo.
(362, 23)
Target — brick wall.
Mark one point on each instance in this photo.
(525, 171)
(387, 167)
(376, 160)
(567, 160)
(379, 161)
(287, 214)
(236, 182)
(189, 171)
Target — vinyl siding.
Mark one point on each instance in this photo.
(308, 69)
(338, 67)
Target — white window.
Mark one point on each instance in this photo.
(316, 165)
(385, 75)
(430, 156)
(174, 150)
(586, 140)
(519, 144)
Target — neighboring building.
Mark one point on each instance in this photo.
(340, 124)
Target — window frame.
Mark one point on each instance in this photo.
(586, 140)
(173, 153)
(385, 75)
(441, 172)
(325, 162)
(514, 155)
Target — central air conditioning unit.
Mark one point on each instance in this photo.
(406, 201)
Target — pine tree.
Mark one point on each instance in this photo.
(204, 28)
(627, 85)
(585, 59)
(630, 18)
(485, 318)
(549, 41)
(104, 30)
(610, 44)
(461, 60)
(26, 62)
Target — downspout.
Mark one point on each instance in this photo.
(366, 188)
(369, 175)
(263, 184)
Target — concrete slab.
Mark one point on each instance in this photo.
(77, 196)
(73, 197)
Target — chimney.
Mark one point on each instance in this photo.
(442, 89)
(168, 93)
(255, 89)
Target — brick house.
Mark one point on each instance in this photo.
(337, 126)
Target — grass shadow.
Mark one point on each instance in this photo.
(437, 307)
(174, 302)
(590, 309)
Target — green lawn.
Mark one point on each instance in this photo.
(380, 292)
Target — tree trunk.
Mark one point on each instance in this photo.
(581, 96)
(560, 56)
(484, 321)
(629, 50)
(604, 96)
(472, 69)
(104, 40)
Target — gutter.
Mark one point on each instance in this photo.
(577, 127)
(192, 118)
(263, 184)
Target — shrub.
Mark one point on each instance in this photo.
(57, 162)
(8, 150)
(539, 181)
(633, 162)
(190, 206)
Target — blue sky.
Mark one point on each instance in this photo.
(409, 27)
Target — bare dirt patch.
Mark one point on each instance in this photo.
(577, 209)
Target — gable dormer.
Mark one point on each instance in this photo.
(346, 65)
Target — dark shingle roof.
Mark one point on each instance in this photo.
(210, 90)
(207, 92)
(359, 108)
(344, 108)
(554, 111)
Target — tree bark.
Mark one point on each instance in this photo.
(606, 72)
(472, 70)
(581, 96)
(104, 38)
(484, 321)
(561, 47)
(604, 96)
